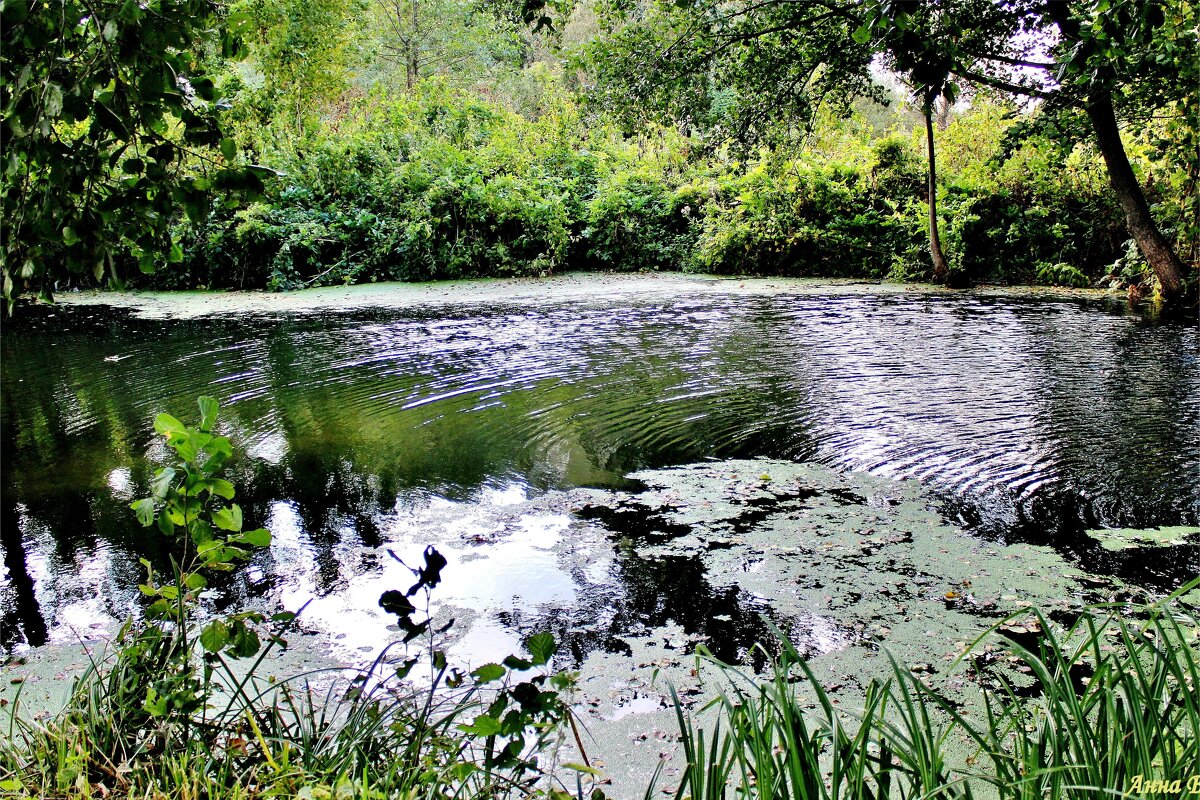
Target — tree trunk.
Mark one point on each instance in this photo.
(941, 270)
(412, 71)
(1154, 246)
(943, 112)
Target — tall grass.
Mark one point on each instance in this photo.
(1104, 707)
(330, 734)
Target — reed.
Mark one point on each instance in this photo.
(1114, 708)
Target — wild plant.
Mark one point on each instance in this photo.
(169, 711)
(1104, 707)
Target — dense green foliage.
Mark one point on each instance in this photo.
(111, 132)
(441, 184)
(427, 140)
(710, 66)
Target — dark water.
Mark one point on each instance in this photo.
(1030, 421)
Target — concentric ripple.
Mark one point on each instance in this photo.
(1029, 420)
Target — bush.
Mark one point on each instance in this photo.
(636, 222)
(795, 218)
(441, 183)
(455, 188)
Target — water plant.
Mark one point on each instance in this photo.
(1104, 706)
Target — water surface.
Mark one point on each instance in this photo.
(1029, 421)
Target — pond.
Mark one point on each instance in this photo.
(1026, 420)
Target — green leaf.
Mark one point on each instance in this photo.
(195, 206)
(160, 609)
(228, 149)
(144, 509)
(14, 11)
(862, 34)
(168, 426)
(488, 673)
(221, 488)
(255, 538)
(245, 642)
(195, 580)
(208, 412)
(155, 705)
(215, 636)
(185, 446)
(482, 726)
(582, 768)
(52, 101)
(163, 479)
(229, 519)
(463, 769)
(220, 449)
(542, 647)
(205, 90)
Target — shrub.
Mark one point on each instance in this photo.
(441, 183)
(636, 222)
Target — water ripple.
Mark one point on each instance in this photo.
(1029, 420)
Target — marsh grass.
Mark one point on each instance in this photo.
(322, 735)
(1093, 709)
(1098, 708)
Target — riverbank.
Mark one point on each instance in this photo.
(850, 567)
(570, 288)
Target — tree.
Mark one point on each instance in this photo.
(745, 71)
(1094, 55)
(1102, 59)
(447, 37)
(754, 70)
(111, 132)
(911, 48)
(303, 49)
(752, 65)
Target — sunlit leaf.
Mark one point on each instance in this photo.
(168, 426)
(482, 726)
(215, 636)
(542, 647)
(144, 509)
(208, 412)
(256, 538)
(488, 673)
(229, 519)
(163, 479)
